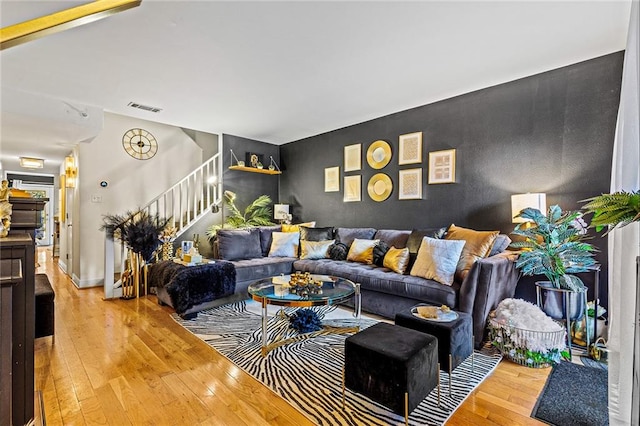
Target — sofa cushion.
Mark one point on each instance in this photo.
(296, 228)
(315, 249)
(236, 244)
(362, 251)
(500, 244)
(393, 237)
(379, 251)
(316, 234)
(265, 237)
(478, 245)
(347, 235)
(396, 259)
(415, 240)
(437, 259)
(249, 270)
(384, 280)
(284, 244)
(338, 251)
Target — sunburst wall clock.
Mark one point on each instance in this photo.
(140, 144)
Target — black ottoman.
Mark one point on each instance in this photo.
(455, 338)
(45, 312)
(394, 366)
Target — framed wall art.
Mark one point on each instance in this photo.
(352, 157)
(442, 166)
(410, 184)
(410, 148)
(332, 179)
(352, 188)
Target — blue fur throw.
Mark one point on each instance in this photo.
(305, 321)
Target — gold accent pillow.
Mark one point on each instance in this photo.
(296, 228)
(396, 259)
(478, 245)
(284, 244)
(315, 249)
(437, 260)
(362, 251)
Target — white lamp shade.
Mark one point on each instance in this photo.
(281, 211)
(520, 202)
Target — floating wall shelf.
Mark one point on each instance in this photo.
(255, 170)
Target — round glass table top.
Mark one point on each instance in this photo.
(277, 291)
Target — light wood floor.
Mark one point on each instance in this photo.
(122, 362)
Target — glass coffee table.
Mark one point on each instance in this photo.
(277, 291)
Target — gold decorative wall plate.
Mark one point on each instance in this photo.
(379, 154)
(379, 187)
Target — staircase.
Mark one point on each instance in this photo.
(186, 202)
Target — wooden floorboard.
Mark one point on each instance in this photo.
(126, 362)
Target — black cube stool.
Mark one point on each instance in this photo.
(45, 312)
(455, 338)
(394, 366)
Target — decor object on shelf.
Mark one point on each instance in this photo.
(520, 202)
(140, 144)
(410, 184)
(525, 335)
(379, 187)
(410, 148)
(5, 208)
(554, 247)
(613, 210)
(442, 166)
(332, 179)
(352, 157)
(379, 154)
(254, 160)
(352, 188)
(257, 213)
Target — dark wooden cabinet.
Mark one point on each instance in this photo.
(17, 330)
(27, 215)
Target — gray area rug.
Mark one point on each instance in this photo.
(308, 373)
(574, 395)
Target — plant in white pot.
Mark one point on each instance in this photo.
(554, 246)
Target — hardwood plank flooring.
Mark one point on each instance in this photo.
(126, 362)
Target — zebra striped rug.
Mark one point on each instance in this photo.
(308, 373)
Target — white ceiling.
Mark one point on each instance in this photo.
(281, 71)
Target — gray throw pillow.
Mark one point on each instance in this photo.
(316, 234)
(234, 244)
(500, 244)
(347, 235)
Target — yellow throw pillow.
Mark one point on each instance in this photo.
(296, 228)
(478, 245)
(437, 259)
(284, 244)
(396, 259)
(315, 249)
(362, 251)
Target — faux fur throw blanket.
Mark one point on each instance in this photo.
(188, 286)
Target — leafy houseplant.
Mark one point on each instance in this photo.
(554, 247)
(613, 210)
(257, 213)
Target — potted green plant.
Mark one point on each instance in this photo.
(554, 246)
(613, 210)
(257, 213)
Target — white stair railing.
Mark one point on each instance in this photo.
(186, 202)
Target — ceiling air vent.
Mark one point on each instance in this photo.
(144, 107)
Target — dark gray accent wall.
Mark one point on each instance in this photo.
(552, 132)
(248, 186)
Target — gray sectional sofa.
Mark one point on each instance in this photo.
(384, 292)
